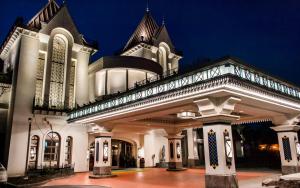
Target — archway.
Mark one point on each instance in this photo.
(123, 154)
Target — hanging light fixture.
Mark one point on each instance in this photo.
(186, 115)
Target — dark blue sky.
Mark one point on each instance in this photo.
(263, 33)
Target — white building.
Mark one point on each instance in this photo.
(132, 105)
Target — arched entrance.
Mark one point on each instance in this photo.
(123, 154)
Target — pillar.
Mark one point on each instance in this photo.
(218, 146)
(175, 156)
(289, 148)
(219, 155)
(102, 159)
(193, 158)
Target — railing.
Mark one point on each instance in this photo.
(40, 104)
(167, 84)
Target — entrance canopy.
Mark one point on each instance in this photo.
(227, 87)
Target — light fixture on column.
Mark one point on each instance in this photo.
(105, 151)
(178, 150)
(228, 148)
(297, 148)
(186, 115)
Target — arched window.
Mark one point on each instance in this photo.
(163, 53)
(57, 78)
(33, 153)
(68, 151)
(52, 149)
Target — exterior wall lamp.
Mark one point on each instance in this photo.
(297, 144)
(178, 150)
(105, 151)
(228, 149)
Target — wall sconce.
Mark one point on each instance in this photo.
(105, 151)
(228, 148)
(297, 148)
(178, 150)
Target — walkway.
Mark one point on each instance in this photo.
(160, 178)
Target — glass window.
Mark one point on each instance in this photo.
(57, 78)
(33, 152)
(40, 79)
(52, 149)
(68, 151)
(72, 85)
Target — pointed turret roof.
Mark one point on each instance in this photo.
(44, 15)
(144, 32)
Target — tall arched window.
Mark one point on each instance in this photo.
(33, 152)
(163, 53)
(68, 151)
(57, 78)
(52, 149)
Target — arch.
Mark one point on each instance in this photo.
(52, 149)
(68, 151)
(60, 70)
(33, 152)
(163, 56)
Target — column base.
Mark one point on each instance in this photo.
(217, 181)
(101, 172)
(175, 166)
(290, 169)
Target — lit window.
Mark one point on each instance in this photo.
(40, 79)
(57, 78)
(52, 149)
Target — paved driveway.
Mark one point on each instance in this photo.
(159, 178)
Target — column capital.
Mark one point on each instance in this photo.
(286, 128)
(217, 109)
(290, 119)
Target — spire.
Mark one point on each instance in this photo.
(144, 32)
(147, 6)
(163, 20)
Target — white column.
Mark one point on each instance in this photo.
(82, 78)
(102, 158)
(192, 148)
(175, 156)
(289, 148)
(218, 146)
(219, 155)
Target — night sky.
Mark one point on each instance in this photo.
(263, 33)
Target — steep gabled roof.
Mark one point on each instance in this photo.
(144, 32)
(44, 15)
(162, 35)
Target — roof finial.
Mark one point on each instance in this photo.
(163, 20)
(147, 6)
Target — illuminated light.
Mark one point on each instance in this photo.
(262, 147)
(242, 72)
(186, 115)
(274, 147)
